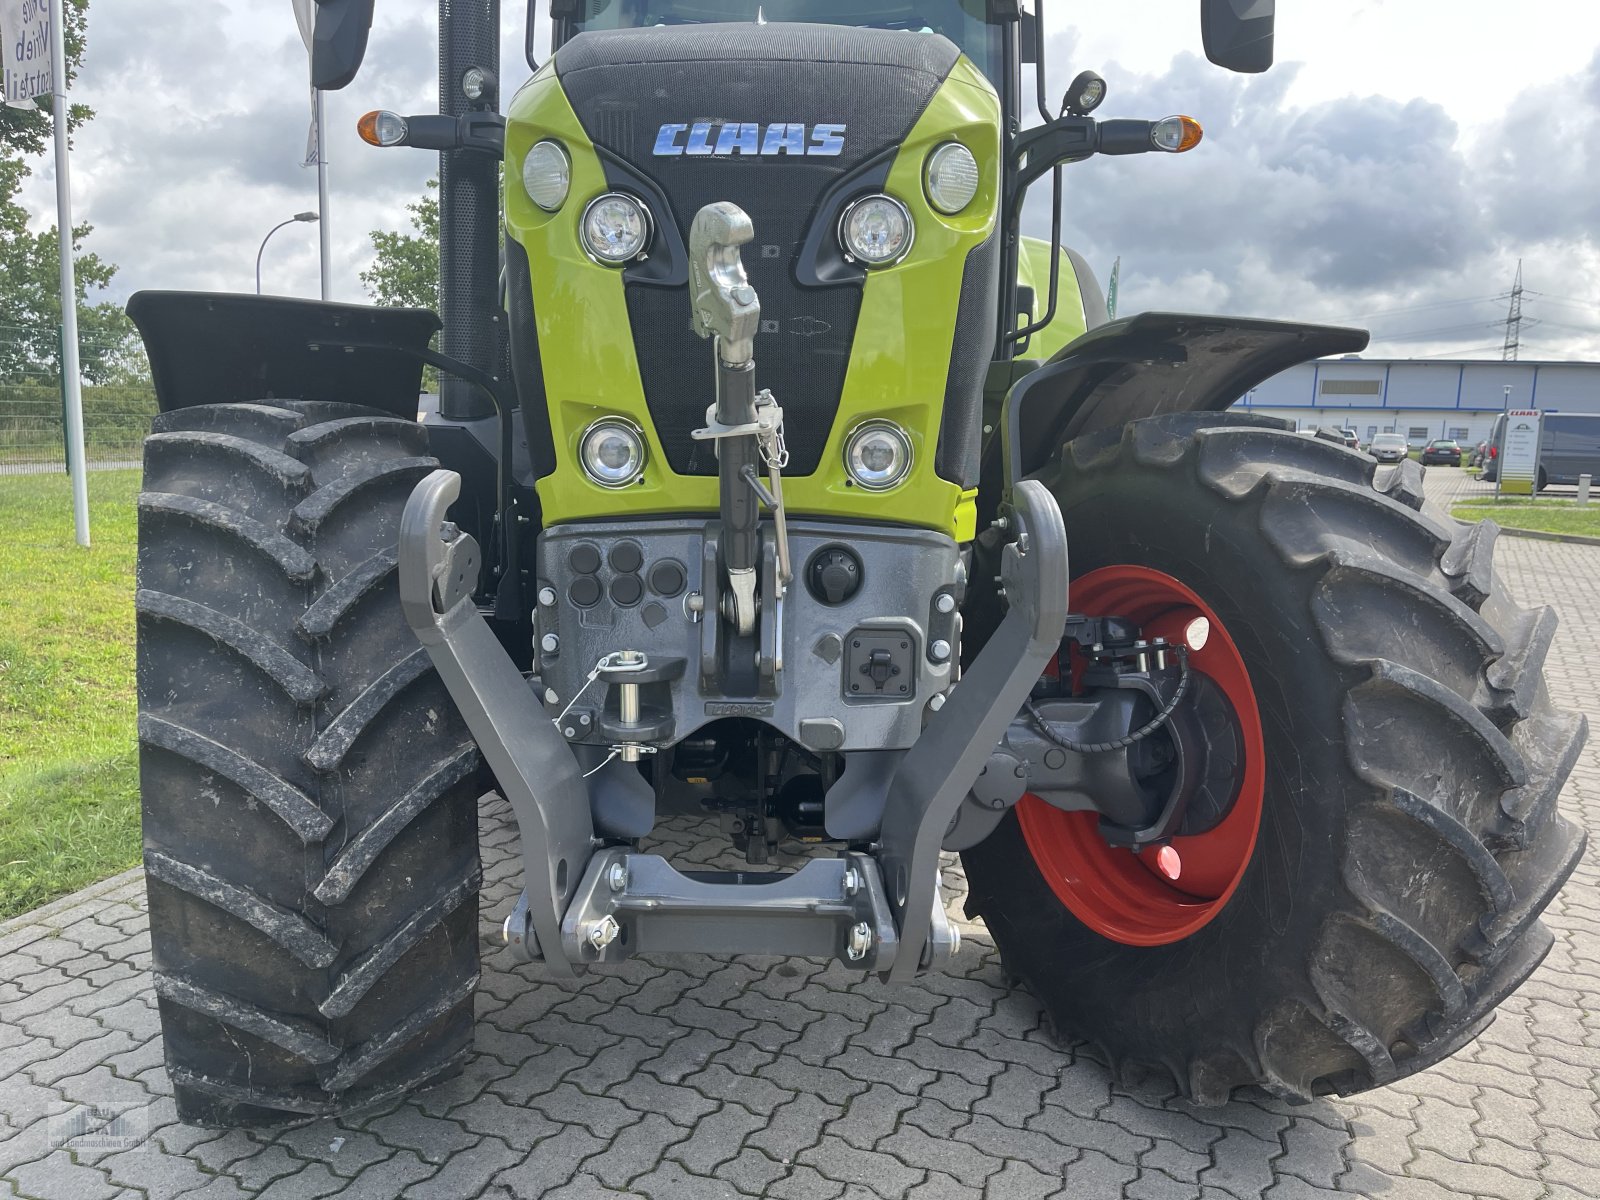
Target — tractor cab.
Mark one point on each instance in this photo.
(979, 29)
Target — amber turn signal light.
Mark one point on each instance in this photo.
(382, 128)
(1176, 134)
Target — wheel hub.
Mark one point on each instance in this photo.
(1153, 897)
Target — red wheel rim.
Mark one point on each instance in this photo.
(1120, 895)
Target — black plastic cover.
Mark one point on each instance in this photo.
(1146, 365)
(339, 42)
(224, 348)
(1238, 33)
(972, 347)
(527, 367)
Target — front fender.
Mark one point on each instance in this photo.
(224, 348)
(1143, 366)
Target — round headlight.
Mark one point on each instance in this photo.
(547, 174)
(951, 177)
(616, 228)
(877, 230)
(612, 453)
(878, 455)
(479, 83)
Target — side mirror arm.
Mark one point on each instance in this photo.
(476, 132)
(1045, 147)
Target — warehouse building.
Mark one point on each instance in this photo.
(1421, 399)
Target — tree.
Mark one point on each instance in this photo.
(30, 282)
(30, 300)
(405, 273)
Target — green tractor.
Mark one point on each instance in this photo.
(775, 477)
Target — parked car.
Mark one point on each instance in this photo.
(1389, 447)
(1351, 438)
(1442, 452)
(1569, 446)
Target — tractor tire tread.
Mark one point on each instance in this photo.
(290, 473)
(296, 565)
(296, 809)
(1391, 981)
(284, 704)
(289, 929)
(361, 852)
(342, 733)
(261, 651)
(322, 503)
(1469, 562)
(366, 971)
(340, 598)
(297, 1037)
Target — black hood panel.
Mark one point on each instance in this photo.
(625, 85)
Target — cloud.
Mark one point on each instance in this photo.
(195, 151)
(1344, 208)
(1302, 202)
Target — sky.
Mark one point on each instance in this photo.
(1388, 172)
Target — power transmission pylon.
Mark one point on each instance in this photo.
(1514, 319)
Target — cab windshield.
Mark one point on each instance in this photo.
(962, 21)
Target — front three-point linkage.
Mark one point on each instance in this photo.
(746, 426)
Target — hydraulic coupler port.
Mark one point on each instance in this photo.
(834, 575)
(879, 665)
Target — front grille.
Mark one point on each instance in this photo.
(623, 85)
(802, 351)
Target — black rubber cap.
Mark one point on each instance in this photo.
(585, 591)
(626, 557)
(834, 575)
(667, 578)
(627, 590)
(584, 559)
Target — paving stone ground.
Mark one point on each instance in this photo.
(724, 1078)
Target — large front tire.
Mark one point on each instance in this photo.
(309, 791)
(1407, 837)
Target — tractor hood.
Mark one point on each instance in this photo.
(788, 121)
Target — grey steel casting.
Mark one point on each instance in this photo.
(935, 775)
(535, 767)
(815, 912)
(724, 304)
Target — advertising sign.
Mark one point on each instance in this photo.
(25, 50)
(1519, 453)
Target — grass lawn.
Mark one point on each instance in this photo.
(69, 797)
(1546, 516)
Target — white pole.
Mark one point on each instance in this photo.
(69, 282)
(322, 202)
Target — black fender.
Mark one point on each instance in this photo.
(1143, 366)
(227, 348)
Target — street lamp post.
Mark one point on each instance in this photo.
(301, 217)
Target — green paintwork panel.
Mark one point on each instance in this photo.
(585, 343)
(899, 360)
(1033, 270)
